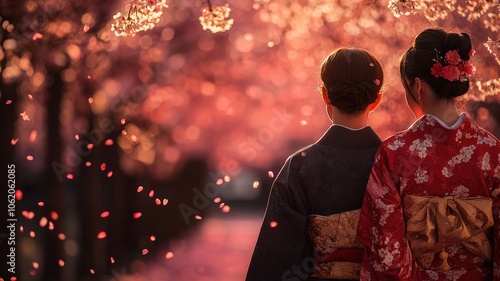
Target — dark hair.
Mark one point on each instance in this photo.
(427, 47)
(352, 78)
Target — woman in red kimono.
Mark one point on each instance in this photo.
(309, 229)
(431, 205)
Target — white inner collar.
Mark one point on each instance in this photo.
(461, 119)
(349, 128)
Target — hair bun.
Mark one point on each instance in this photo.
(461, 43)
(427, 58)
(353, 97)
(352, 78)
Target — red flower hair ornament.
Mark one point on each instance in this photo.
(452, 67)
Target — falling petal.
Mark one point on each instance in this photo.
(112, 260)
(198, 217)
(103, 166)
(25, 116)
(69, 176)
(140, 188)
(19, 195)
(217, 199)
(77, 137)
(35, 264)
(86, 28)
(270, 174)
(376, 81)
(51, 225)
(108, 142)
(145, 252)
(104, 214)
(152, 238)
(227, 178)
(91, 100)
(222, 205)
(101, 235)
(133, 138)
(14, 141)
(37, 36)
(151, 193)
(32, 234)
(158, 201)
(43, 222)
(219, 181)
(29, 158)
(122, 121)
(226, 209)
(137, 215)
(33, 135)
(165, 202)
(371, 64)
(89, 77)
(92, 271)
(273, 224)
(88, 164)
(90, 146)
(41, 204)
(21, 228)
(30, 97)
(8, 102)
(61, 236)
(61, 263)
(28, 215)
(124, 132)
(110, 174)
(303, 154)
(256, 184)
(169, 255)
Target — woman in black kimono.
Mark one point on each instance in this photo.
(309, 228)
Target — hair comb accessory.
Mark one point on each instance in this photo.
(452, 67)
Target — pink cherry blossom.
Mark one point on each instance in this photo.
(216, 18)
(451, 72)
(452, 57)
(469, 68)
(437, 70)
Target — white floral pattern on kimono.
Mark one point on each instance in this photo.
(428, 160)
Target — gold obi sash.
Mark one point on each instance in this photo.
(335, 246)
(434, 223)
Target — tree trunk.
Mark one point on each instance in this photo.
(54, 193)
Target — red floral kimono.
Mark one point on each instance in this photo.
(431, 207)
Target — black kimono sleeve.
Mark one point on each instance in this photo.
(280, 249)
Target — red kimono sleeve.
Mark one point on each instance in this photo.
(381, 228)
(496, 216)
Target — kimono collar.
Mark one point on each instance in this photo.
(346, 138)
(452, 127)
(440, 132)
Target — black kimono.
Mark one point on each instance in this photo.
(326, 178)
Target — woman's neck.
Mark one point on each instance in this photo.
(446, 111)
